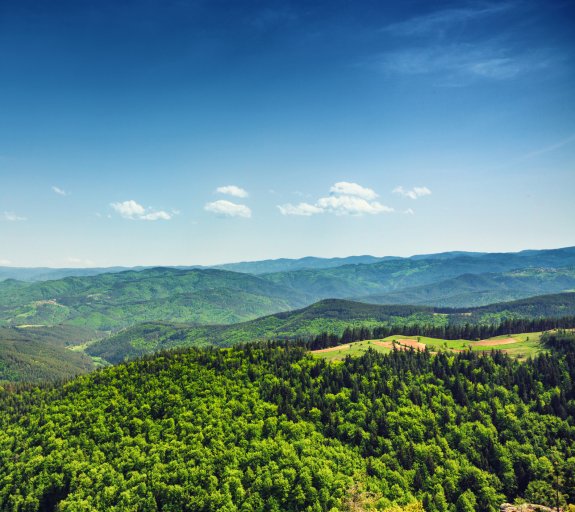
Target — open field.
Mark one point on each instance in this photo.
(520, 346)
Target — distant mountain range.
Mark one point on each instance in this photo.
(481, 289)
(247, 267)
(397, 275)
(111, 301)
(31, 274)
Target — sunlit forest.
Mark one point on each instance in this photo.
(267, 427)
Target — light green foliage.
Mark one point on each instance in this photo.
(266, 427)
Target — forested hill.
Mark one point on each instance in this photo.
(545, 257)
(32, 274)
(551, 258)
(351, 281)
(43, 353)
(116, 300)
(287, 264)
(554, 305)
(271, 428)
(482, 289)
(331, 316)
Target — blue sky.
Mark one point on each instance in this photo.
(198, 132)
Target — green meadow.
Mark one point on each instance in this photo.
(525, 345)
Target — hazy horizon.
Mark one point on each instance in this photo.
(343, 256)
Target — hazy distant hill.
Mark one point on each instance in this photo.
(248, 267)
(332, 315)
(351, 281)
(116, 300)
(45, 274)
(550, 258)
(481, 289)
(309, 262)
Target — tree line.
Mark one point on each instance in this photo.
(452, 331)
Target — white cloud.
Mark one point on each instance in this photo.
(129, 209)
(303, 209)
(232, 190)
(409, 211)
(160, 215)
(135, 211)
(414, 193)
(345, 199)
(352, 189)
(59, 191)
(352, 205)
(5, 263)
(13, 217)
(229, 209)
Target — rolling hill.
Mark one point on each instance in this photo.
(43, 353)
(112, 301)
(273, 428)
(33, 274)
(480, 289)
(355, 281)
(331, 315)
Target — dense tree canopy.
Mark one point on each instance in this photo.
(267, 427)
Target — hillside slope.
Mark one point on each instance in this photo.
(42, 353)
(116, 300)
(353, 281)
(332, 315)
(270, 428)
(472, 290)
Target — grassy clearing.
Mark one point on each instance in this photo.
(524, 345)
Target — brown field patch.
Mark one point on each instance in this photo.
(412, 343)
(400, 345)
(494, 343)
(330, 349)
(386, 344)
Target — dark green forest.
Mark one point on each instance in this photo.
(265, 426)
(41, 353)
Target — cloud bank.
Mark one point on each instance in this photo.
(134, 211)
(345, 199)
